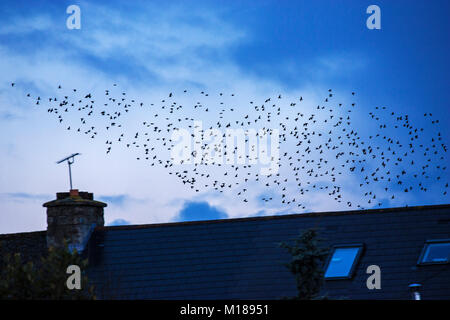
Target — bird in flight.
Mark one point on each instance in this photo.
(321, 149)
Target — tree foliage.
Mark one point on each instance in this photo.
(306, 264)
(45, 279)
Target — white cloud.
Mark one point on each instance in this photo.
(21, 26)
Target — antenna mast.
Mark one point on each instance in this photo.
(70, 160)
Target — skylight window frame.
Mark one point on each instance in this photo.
(351, 273)
(424, 250)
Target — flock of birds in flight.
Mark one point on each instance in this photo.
(320, 150)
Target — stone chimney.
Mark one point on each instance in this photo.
(72, 217)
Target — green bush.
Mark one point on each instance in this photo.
(307, 264)
(44, 279)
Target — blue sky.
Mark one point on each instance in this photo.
(255, 49)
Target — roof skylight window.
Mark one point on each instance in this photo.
(435, 252)
(343, 261)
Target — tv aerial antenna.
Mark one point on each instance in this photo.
(70, 160)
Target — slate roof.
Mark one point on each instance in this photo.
(31, 245)
(241, 258)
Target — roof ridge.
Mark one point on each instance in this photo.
(18, 234)
(281, 216)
